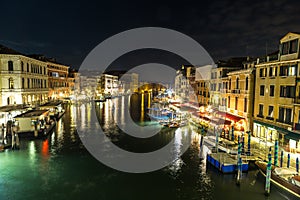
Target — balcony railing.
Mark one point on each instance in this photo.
(236, 91)
(284, 121)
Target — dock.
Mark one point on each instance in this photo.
(225, 162)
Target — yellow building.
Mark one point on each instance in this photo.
(23, 80)
(58, 80)
(240, 96)
(277, 92)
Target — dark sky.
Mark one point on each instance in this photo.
(68, 30)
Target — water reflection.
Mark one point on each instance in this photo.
(60, 168)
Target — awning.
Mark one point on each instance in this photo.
(229, 116)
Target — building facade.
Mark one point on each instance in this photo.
(277, 94)
(24, 80)
(58, 80)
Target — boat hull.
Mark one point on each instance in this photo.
(278, 181)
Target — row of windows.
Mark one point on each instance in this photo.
(284, 114)
(33, 68)
(31, 83)
(237, 102)
(285, 91)
(58, 84)
(289, 47)
(285, 70)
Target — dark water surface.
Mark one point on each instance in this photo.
(61, 168)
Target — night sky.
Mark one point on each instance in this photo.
(69, 30)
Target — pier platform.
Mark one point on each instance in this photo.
(226, 163)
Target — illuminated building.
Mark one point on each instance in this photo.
(277, 94)
(24, 80)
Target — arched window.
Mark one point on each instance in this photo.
(10, 66)
(22, 66)
(237, 83)
(11, 83)
(247, 80)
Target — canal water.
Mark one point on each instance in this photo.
(60, 167)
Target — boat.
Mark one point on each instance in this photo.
(225, 162)
(223, 145)
(173, 125)
(284, 178)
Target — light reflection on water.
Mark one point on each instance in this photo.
(61, 168)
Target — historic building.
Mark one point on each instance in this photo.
(58, 80)
(185, 84)
(24, 80)
(277, 94)
(239, 95)
(109, 84)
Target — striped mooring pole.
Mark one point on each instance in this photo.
(217, 139)
(288, 161)
(297, 164)
(281, 159)
(249, 143)
(243, 142)
(239, 162)
(276, 153)
(268, 175)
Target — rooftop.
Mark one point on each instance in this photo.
(32, 113)
(52, 103)
(7, 50)
(10, 108)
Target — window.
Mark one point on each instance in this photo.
(292, 70)
(289, 47)
(245, 104)
(287, 91)
(10, 66)
(293, 46)
(228, 102)
(271, 110)
(288, 118)
(11, 83)
(285, 115)
(236, 103)
(28, 83)
(229, 84)
(261, 110)
(247, 83)
(27, 67)
(272, 88)
(22, 66)
(237, 83)
(281, 114)
(23, 83)
(262, 90)
(284, 70)
(261, 72)
(273, 71)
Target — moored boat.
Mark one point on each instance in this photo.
(284, 178)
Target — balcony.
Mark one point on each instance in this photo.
(236, 91)
(270, 118)
(284, 122)
(260, 116)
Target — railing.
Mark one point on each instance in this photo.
(23, 90)
(236, 91)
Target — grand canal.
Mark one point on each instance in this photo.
(60, 167)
